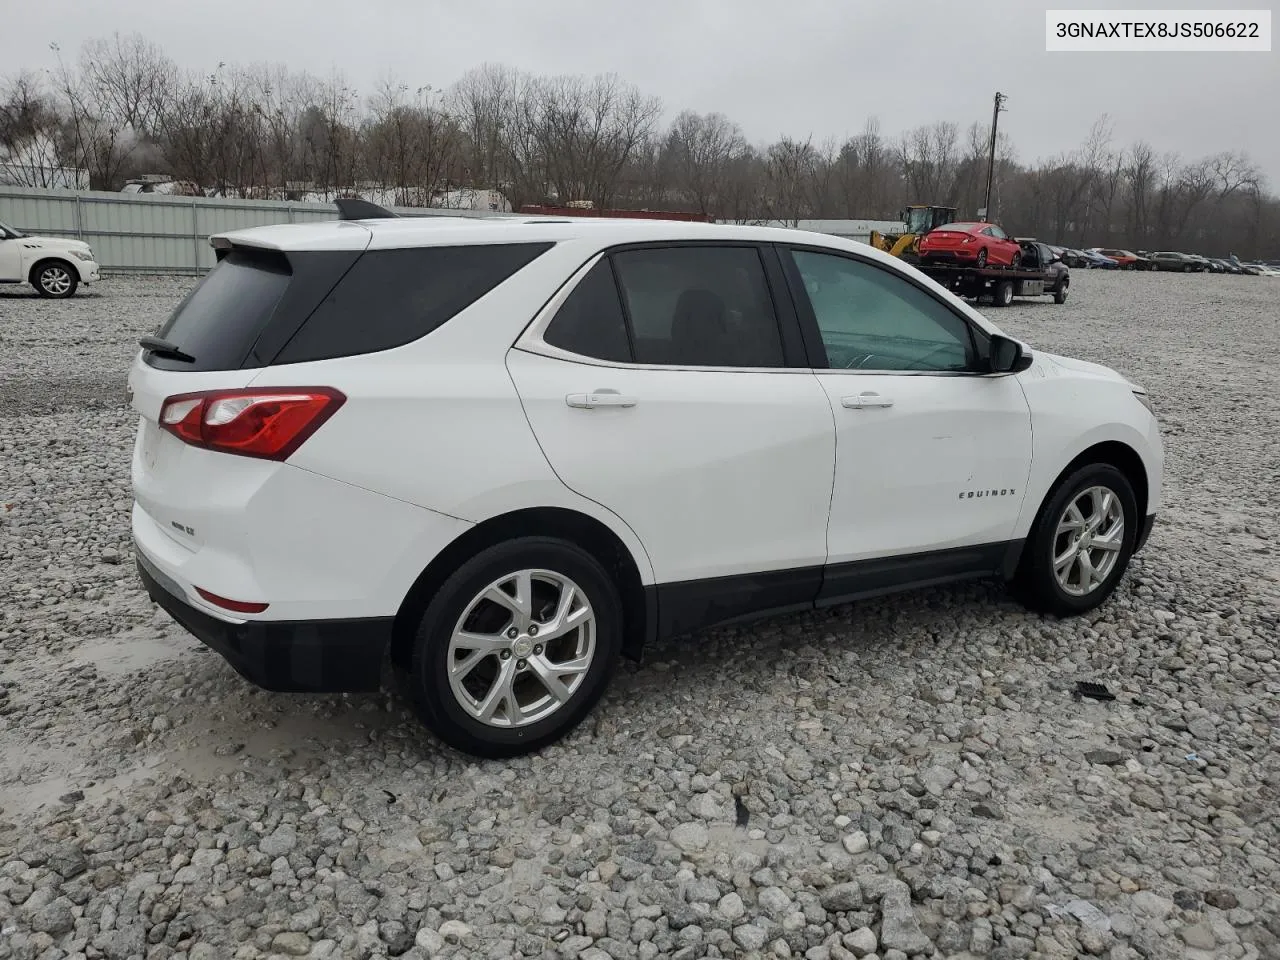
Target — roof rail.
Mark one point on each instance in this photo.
(353, 208)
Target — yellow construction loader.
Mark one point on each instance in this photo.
(917, 220)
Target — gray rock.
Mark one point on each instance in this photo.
(861, 942)
(1198, 936)
(731, 907)
(899, 927)
(842, 897)
(54, 918)
(279, 842)
(749, 937)
(292, 943)
(856, 842)
(691, 837)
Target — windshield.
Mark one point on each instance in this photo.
(12, 231)
(922, 219)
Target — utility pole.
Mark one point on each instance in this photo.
(991, 158)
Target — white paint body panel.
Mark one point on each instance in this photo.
(712, 473)
(903, 472)
(718, 472)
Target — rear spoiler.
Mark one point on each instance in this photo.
(353, 208)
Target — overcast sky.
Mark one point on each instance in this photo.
(776, 66)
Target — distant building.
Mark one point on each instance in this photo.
(18, 173)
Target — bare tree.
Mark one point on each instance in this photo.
(31, 144)
(411, 145)
(130, 79)
(702, 148)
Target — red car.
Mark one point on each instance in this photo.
(977, 244)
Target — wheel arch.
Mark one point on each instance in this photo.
(1118, 454)
(639, 605)
(52, 258)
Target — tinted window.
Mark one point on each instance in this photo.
(700, 306)
(590, 321)
(872, 319)
(220, 319)
(393, 297)
(997, 232)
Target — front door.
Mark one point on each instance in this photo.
(10, 259)
(661, 390)
(931, 457)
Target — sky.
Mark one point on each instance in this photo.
(793, 67)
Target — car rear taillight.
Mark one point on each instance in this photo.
(265, 422)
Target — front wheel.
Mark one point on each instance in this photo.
(1060, 295)
(981, 259)
(55, 280)
(516, 647)
(1080, 543)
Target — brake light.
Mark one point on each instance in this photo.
(265, 422)
(237, 606)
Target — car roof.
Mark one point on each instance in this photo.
(399, 232)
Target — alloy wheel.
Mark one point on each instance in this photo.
(522, 648)
(1088, 539)
(55, 280)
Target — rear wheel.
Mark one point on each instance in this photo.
(1080, 543)
(516, 647)
(55, 279)
(1003, 295)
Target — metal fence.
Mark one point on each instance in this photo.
(156, 233)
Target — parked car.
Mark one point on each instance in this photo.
(1096, 261)
(1046, 258)
(1208, 266)
(1224, 266)
(977, 244)
(55, 266)
(1123, 258)
(1075, 258)
(1180, 262)
(548, 443)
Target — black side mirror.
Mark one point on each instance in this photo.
(1007, 356)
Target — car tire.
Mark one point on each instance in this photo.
(980, 260)
(1015, 261)
(1002, 296)
(1060, 293)
(1051, 577)
(55, 279)
(460, 626)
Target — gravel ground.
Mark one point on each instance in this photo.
(906, 778)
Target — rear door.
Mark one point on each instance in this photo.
(666, 384)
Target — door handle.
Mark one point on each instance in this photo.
(599, 398)
(865, 400)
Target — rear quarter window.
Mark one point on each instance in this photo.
(393, 297)
(221, 319)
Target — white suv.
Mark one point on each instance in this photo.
(55, 266)
(503, 452)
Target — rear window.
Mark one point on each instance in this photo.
(955, 228)
(220, 320)
(393, 297)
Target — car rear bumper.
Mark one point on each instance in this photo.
(293, 656)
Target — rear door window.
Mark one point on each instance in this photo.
(703, 306)
(220, 320)
(393, 297)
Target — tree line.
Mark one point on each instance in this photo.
(123, 108)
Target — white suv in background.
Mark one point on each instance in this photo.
(55, 266)
(503, 452)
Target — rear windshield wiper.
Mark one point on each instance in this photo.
(163, 348)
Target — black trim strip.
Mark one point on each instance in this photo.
(687, 606)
